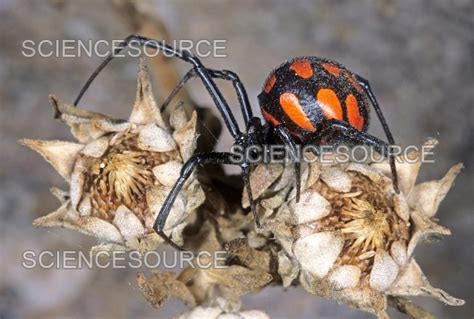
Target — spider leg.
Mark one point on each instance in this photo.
(218, 74)
(186, 56)
(247, 116)
(239, 89)
(366, 86)
(186, 171)
(253, 206)
(285, 137)
(382, 147)
(189, 75)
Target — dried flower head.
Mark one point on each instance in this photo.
(351, 237)
(363, 216)
(120, 171)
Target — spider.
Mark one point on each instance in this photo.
(304, 100)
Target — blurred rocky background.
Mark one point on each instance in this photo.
(418, 56)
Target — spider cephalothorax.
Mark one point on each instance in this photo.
(305, 100)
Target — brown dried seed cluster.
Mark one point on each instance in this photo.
(119, 172)
(121, 177)
(367, 219)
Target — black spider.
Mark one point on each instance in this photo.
(305, 100)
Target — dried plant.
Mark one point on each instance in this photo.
(120, 172)
(350, 238)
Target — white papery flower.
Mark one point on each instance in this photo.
(120, 172)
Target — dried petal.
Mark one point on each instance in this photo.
(186, 137)
(99, 228)
(273, 202)
(61, 155)
(97, 147)
(178, 118)
(248, 257)
(82, 122)
(160, 286)
(287, 268)
(145, 110)
(401, 207)
(85, 207)
(318, 252)
(77, 181)
(194, 194)
(128, 224)
(66, 217)
(60, 194)
(343, 277)
(202, 313)
(149, 242)
(167, 174)
(176, 233)
(155, 198)
(398, 251)
(425, 230)
(363, 298)
(111, 125)
(61, 217)
(412, 282)
(292, 181)
(384, 271)
(426, 197)
(154, 138)
(337, 179)
(287, 177)
(371, 172)
(407, 169)
(311, 207)
(314, 169)
(261, 178)
(240, 279)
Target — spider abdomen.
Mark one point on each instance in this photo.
(305, 93)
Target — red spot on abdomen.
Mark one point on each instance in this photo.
(356, 120)
(330, 104)
(270, 118)
(270, 83)
(302, 68)
(291, 106)
(354, 82)
(332, 69)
